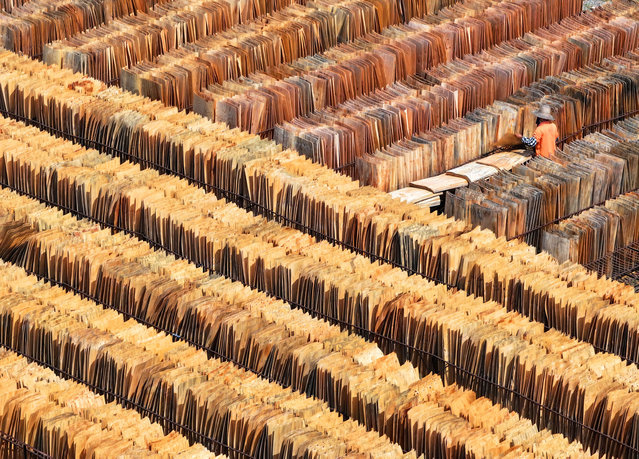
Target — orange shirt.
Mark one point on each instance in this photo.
(546, 135)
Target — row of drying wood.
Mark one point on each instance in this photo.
(213, 398)
(286, 344)
(189, 145)
(264, 49)
(65, 419)
(26, 27)
(176, 76)
(295, 31)
(260, 101)
(596, 232)
(466, 139)
(273, 339)
(101, 52)
(289, 264)
(291, 186)
(416, 128)
(587, 172)
(207, 152)
(585, 97)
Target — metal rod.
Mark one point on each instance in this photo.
(13, 444)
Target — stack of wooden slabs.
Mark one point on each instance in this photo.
(440, 183)
(425, 190)
(506, 160)
(473, 171)
(417, 196)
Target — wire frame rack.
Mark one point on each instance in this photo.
(621, 265)
(17, 449)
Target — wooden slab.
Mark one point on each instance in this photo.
(412, 195)
(473, 171)
(505, 160)
(440, 183)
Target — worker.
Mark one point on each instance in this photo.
(546, 135)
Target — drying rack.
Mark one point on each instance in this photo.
(621, 265)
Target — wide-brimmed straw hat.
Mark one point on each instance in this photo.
(544, 113)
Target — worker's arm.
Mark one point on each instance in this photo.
(529, 141)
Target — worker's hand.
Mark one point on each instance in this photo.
(519, 136)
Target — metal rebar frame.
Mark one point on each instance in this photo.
(12, 447)
(621, 265)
